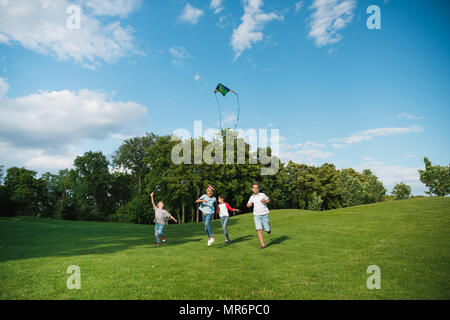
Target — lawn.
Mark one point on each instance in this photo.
(310, 255)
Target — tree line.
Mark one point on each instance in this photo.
(117, 189)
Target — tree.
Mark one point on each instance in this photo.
(23, 190)
(436, 178)
(316, 203)
(137, 210)
(373, 189)
(91, 183)
(60, 202)
(350, 189)
(6, 205)
(328, 191)
(401, 191)
(91, 191)
(2, 174)
(131, 154)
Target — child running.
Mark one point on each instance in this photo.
(223, 214)
(259, 202)
(207, 207)
(160, 219)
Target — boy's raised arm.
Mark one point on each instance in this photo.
(151, 196)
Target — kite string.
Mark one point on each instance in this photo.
(239, 111)
(220, 112)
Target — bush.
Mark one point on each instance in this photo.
(138, 210)
(350, 190)
(401, 191)
(316, 203)
(436, 178)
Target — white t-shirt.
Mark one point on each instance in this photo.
(223, 211)
(259, 208)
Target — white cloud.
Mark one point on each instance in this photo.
(306, 152)
(367, 158)
(250, 30)
(197, 77)
(370, 134)
(4, 87)
(121, 136)
(120, 8)
(304, 145)
(179, 55)
(331, 50)
(216, 5)
(390, 175)
(41, 26)
(328, 18)
(298, 6)
(408, 116)
(224, 21)
(229, 120)
(36, 158)
(307, 156)
(191, 14)
(51, 124)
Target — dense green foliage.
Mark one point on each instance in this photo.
(401, 191)
(309, 255)
(99, 190)
(436, 178)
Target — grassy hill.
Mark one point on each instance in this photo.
(310, 255)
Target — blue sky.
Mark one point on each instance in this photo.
(337, 91)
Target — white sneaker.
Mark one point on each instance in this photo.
(210, 242)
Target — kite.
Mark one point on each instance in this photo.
(224, 90)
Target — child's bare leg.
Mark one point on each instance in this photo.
(261, 239)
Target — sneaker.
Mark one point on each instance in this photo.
(158, 244)
(210, 242)
(227, 241)
(163, 239)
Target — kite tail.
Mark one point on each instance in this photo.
(220, 112)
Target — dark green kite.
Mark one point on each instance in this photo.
(224, 90)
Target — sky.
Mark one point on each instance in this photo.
(338, 91)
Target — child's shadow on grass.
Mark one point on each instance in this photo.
(277, 241)
(237, 240)
(240, 239)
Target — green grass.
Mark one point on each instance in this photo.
(310, 255)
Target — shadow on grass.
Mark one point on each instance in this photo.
(234, 241)
(240, 239)
(277, 241)
(53, 238)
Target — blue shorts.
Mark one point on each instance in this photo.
(262, 222)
